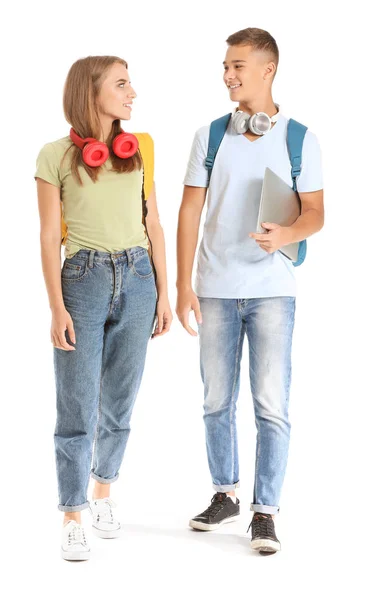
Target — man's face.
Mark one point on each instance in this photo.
(246, 73)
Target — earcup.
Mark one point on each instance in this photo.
(240, 121)
(259, 123)
(125, 145)
(95, 154)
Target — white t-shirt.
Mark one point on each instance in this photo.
(230, 263)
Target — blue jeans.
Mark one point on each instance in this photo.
(112, 301)
(269, 324)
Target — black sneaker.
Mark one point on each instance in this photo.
(221, 510)
(263, 534)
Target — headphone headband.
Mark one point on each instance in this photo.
(274, 117)
(78, 141)
(95, 153)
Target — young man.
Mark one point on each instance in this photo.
(243, 284)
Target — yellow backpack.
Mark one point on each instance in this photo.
(146, 150)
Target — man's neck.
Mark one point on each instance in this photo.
(260, 105)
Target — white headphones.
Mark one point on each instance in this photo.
(259, 123)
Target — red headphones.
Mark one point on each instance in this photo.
(95, 153)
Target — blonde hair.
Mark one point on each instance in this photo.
(81, 91)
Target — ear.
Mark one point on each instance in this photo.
(270, 70)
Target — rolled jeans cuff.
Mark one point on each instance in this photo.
(263, 508)
(103, 479)
(77, 508)
(225, 488)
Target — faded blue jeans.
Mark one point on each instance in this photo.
(112, 301)
(268, 324)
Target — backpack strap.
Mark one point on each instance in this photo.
(295, 138)
(147, 154)
(217, 132)
(64, 228)
(146, 150)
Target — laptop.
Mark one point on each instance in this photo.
(279, 204)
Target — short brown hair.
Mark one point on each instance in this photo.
(259, 39)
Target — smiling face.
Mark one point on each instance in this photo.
(115, 99)
(248, 73)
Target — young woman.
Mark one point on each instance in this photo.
(110, 290)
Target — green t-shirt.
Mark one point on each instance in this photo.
(106, 215)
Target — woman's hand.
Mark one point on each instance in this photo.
(61, 320)
(163, 317)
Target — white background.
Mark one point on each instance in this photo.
(175, 55)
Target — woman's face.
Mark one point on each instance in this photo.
(116, 95)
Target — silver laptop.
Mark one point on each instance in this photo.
(279, 204)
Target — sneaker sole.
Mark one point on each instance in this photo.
(211, 526)
(107, 535)
(75, 555)
(265, 545)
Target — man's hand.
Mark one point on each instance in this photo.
(187, 301)
(276, 237)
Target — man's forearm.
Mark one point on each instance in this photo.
(308, 223)
(187, 239)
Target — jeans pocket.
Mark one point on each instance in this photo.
(142, 266)
(74, 269)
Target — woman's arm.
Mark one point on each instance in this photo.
(50, 239)
(156, 235)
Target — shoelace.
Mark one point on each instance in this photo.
(77, 536)
(105, 510)
(217, 503)
(262, 526)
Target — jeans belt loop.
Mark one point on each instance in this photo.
(129, 257)
(90, 258)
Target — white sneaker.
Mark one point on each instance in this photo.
(74, 545)
(105, 525)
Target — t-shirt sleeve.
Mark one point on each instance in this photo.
(310, 178)
(47, 165)
(197, 174)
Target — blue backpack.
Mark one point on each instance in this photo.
(295, 137)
